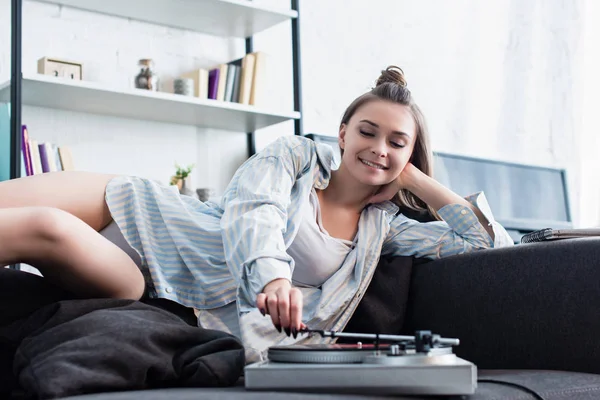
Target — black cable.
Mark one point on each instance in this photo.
(519, 386)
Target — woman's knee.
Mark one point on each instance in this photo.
(62, 243)
(29, 234)
(47, 225)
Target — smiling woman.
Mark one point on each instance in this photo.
(397, 115)
(291, 237)
(385, 155)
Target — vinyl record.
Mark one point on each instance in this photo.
(324, 353)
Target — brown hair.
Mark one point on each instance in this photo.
(391, 86)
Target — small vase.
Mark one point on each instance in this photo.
(147, 78)
(185, 190)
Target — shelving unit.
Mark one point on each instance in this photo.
(226, 18)
(89, 97)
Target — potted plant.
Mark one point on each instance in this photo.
(180, 178)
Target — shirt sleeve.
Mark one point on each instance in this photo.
(254, 222)
(501, 236)
(458, 232)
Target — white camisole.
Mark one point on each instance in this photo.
(317, 255)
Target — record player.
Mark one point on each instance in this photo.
(424, 364)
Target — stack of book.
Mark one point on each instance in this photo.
(38, 158)
(239, 81)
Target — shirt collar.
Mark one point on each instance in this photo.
(325, 160)
(388, 207)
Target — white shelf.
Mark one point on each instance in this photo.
(89, 97)
(230, 18)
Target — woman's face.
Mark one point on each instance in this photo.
(378, 142)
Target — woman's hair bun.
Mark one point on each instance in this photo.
(392, 74)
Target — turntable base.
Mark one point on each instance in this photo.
(423, 364)
(458, 377)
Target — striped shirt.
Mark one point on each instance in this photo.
(216, 257)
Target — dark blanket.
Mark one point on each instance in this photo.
(52, 345)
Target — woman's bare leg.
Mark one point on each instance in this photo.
(68, 251)
(51, 221)
(78, 193)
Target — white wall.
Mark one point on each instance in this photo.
(501, 79)
(589, 138)
(496, 79)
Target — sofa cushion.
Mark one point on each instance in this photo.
(74, 346)
(536, 384)
(532, 306)
(383, 305)
(494, 385)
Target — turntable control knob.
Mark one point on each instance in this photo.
(394, 350)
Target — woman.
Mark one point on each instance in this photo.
(290, 238)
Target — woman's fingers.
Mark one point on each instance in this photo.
(284, 310)
(267, 302)
(261, 303)
(290, 310)
(273, 307)
(295, 311)
(284, 305)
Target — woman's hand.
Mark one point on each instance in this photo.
(284, 304)
(403, 181)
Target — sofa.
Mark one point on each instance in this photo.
(526, 316)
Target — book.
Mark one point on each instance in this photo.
(222, 83)
(59, 166)
(66, 158)
(258, 90)
(36, 160)
(44, 158)
(26, 153)
(547, 234)
(213, 83)
(243, 79)
(230, 82)
(50, 156)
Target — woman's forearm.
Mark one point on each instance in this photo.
(437, 195)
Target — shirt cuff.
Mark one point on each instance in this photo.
(458, 217)
(263, 271)
(501, 237)
(461, 218)
(480, 201)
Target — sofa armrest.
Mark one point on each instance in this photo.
(534, 306)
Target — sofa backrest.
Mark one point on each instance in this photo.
(522, 197)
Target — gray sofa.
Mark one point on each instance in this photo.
(526, 316)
